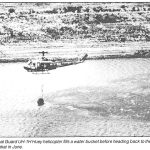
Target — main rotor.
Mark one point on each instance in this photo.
(43, 53)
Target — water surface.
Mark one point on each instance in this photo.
(95, 98)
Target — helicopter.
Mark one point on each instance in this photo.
(44, 64)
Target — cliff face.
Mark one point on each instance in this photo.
(43, 22)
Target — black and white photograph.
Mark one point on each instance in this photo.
(74, 69)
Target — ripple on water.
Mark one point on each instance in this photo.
(78, 99)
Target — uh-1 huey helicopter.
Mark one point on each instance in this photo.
(44, 64)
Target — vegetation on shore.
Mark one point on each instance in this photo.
(33, 22)
(37, 23)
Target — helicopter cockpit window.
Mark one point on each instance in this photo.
(29, 63)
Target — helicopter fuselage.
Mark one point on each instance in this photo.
(45, 65)
(34, 66)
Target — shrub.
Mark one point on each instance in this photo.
(11, 10)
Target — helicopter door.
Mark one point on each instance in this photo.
(48, 66)
(42, 66)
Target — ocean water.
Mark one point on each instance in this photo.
(95, 98)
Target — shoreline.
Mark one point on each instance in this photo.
(13, 53)
(101, 57)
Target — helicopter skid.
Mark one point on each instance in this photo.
(35, 70)
(40, 72)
